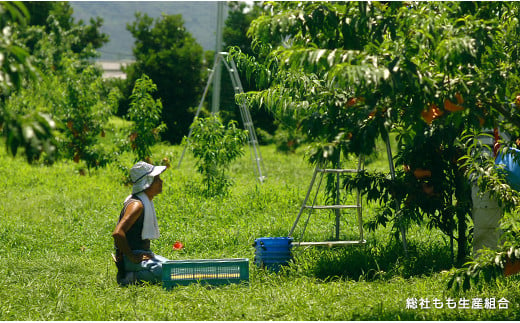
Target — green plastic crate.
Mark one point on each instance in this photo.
(205, 271)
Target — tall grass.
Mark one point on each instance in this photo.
(55, 245)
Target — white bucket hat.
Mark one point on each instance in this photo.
(142, 175)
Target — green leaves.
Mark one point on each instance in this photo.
(145, 112)
(488, 268)
(14, 59)
(215, 147)
(34, 132)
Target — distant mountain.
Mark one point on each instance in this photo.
(200, 18)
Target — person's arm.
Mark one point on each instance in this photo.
(132, 213)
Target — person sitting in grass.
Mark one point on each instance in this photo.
(137, 225)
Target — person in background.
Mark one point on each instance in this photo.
(137, 225)
(486, 212)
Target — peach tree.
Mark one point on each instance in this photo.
(215, 146)
(434, 73)
(45, 55)
(145, 113)
(32, 131)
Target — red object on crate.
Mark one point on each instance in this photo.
(178, 245)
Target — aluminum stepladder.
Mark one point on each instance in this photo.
(244, 113)
(337, 207)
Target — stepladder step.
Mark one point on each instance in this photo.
(336, 205)
(337, 171)
(329, 243)
(331, 207)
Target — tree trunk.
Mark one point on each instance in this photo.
(462, 241)
(463, 196)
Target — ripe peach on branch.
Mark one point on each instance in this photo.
(432, 113)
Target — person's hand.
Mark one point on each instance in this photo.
(137, 258)
(145, 257)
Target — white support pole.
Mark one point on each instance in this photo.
(215, 103)
(392, 174)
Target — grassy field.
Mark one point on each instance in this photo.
(55, 245)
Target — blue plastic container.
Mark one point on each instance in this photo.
(273, 252)
(511, 167)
